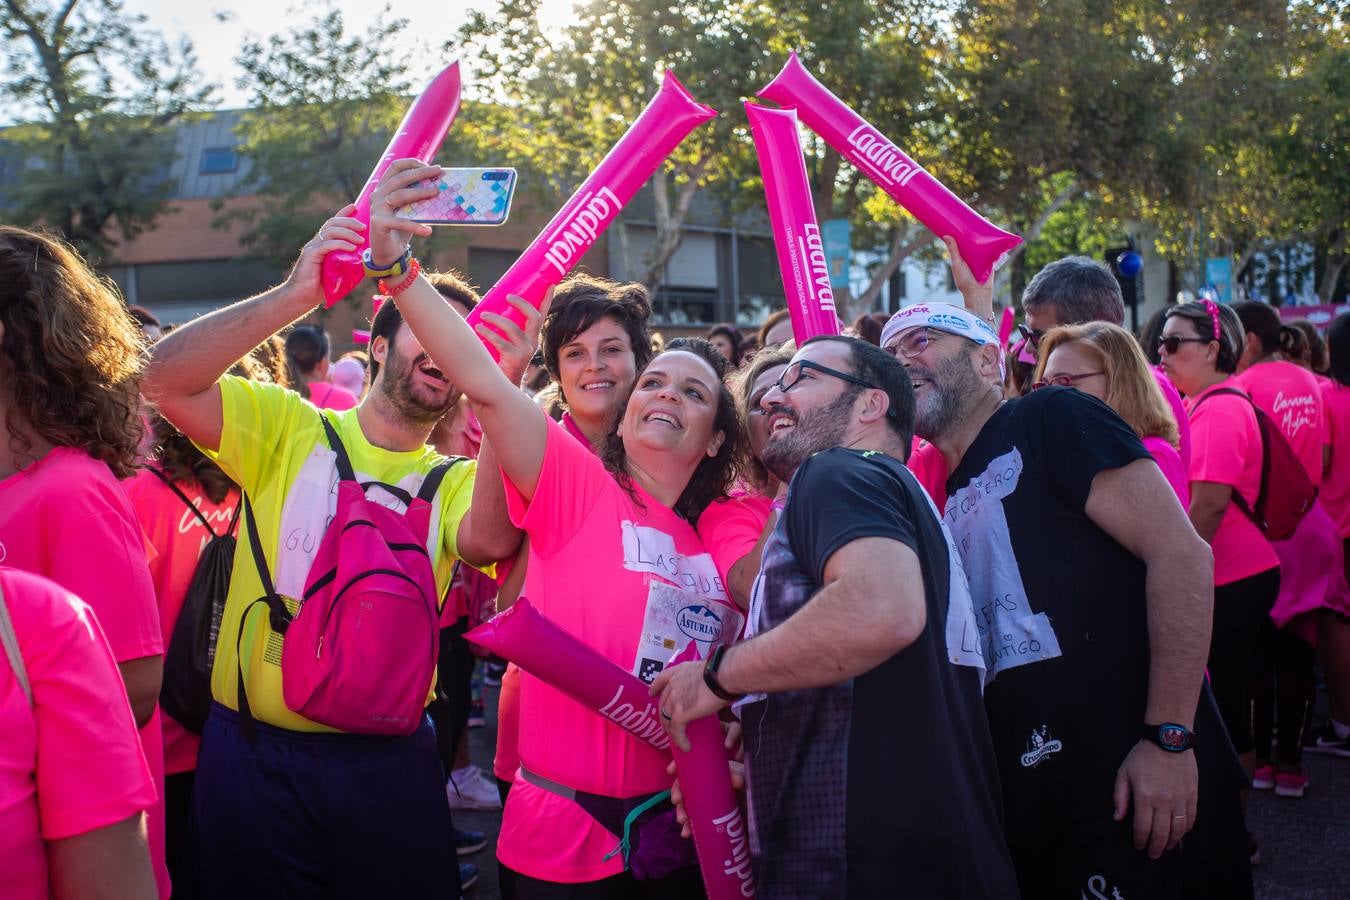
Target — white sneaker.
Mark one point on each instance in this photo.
(471, 788)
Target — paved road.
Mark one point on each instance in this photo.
(1305, 844)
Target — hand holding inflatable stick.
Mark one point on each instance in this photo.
(419, 136)
(657, 131)
(983, 245)
(796, 235)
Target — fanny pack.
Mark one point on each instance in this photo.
(648, 832)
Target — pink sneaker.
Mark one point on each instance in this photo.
(1291, 784)
(1263, 779)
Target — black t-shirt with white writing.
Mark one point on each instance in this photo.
(883, 785)
(1059, 605)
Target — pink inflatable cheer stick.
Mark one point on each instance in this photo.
(983, 245)
(710, 802)
(666, 121)
(801, 252)
(527, 638)
(419, 136)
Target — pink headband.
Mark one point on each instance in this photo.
(1213, 309)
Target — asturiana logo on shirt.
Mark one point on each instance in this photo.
(700, 623)
(639, 722)
(737, 863)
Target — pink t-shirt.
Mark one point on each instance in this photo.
(66, 517)
(1169, 461)
(730, 527)
(930, 469)
(329, 396)
(1289, 395)
(1335, 494)
(179, 537)
(599, 557)
(71, 762)
(1173, 398)
(1226, 449)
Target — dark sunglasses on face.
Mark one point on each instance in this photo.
(1033, 335)
(1172, 342)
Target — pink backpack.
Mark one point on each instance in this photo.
(360, 654)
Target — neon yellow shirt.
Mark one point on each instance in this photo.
(273, 445)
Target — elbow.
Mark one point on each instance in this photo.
(903, 628)
(143, 709)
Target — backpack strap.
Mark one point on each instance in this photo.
(196, 511)
(344, 462)
(432, 483)
(279, 617)
(1256, 515)
(11, 642)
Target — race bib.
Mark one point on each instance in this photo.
(674, 619)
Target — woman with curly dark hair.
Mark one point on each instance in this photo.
(614, 555)
(70, 355)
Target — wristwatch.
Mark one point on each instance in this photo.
(710, 675)
(1169, 736)
(399, 266)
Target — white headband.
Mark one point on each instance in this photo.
(943, 317)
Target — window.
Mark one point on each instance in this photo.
(218, 161)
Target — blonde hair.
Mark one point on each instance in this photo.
(1131, 389)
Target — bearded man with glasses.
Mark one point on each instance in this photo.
(868, 755)
(1093, 599)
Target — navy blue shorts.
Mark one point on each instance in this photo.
(300, 815)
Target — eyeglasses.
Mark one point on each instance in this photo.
(914, 343)
(1064, 380)
(795, 371)
(1172, 342)
(1032, 335)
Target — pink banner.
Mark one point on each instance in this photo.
(796, 235)
(658, 130)
(419, 136)
(983, 245)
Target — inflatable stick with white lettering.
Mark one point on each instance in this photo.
(796, 235)
(653, 136)
(526, 637)
(419, 136)
(710, 802)
(983, 245)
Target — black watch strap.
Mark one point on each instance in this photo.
(1169, 736)
(710, 675)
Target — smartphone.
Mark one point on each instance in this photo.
(466, 197)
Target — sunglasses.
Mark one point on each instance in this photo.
(794, 373)
(1064, 380)
(1172, 343)
(1033, 335)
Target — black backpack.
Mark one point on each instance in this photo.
(186, 692)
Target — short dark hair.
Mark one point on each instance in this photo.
(1080, 289)
(1230, 329)
(874, 365)
(581, 301)
(1262, 320)
(1338, 344)
(450, 284)
(306, 347)
(144, 316)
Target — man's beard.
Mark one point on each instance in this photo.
(399, 390)
(950, 387)
(817, 430)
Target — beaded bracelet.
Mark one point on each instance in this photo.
(414, 269)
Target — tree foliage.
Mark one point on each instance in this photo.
(101, 93)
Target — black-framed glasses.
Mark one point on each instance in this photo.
(1032, 335)
(1064, 380)
(795, 370)
(1172, 342)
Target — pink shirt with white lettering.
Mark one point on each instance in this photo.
(1289, 395)
(71, 761)
(595, 552)
(1226, 449)
(1335, 494)
(65, 517)
(179, 537)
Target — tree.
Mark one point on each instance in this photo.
(104, 93)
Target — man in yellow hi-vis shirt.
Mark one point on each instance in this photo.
(302, 810)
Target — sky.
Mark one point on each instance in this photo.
(218, 27)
